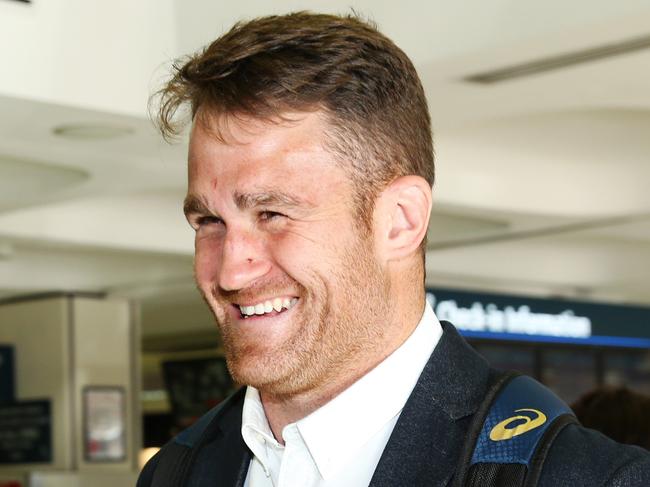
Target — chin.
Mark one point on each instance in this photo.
(256, 375)
(268, 374)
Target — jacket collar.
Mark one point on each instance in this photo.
(430, 433)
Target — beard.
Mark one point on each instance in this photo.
(337, 327)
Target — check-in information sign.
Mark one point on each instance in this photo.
(25, 432)
(503, 317)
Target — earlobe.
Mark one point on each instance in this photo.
(408, 205)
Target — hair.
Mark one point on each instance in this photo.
(617, 412)
(368, 89)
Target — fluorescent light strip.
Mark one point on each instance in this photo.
(560, 61)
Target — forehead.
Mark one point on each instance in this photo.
(248, 151)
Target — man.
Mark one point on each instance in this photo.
(310, 176)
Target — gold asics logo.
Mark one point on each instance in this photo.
(501, 431)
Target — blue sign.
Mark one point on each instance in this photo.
(503, 317)
(7, 391)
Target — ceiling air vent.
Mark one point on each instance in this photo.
(560, 61)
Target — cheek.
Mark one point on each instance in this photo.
(305, 260)
(206, 260)
(289, 246)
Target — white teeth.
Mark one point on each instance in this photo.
(277, 304)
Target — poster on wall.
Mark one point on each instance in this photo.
(195, 386)
(25, 432)
(104, 424)
(7, 392)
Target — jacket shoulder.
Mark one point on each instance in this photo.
(146, 475)
(177, 451)
(584, 457)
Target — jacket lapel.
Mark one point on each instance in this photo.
(424, 447)
(222, 456)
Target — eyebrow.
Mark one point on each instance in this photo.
(266, 198)
(194, 204)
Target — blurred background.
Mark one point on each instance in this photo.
(539, 242)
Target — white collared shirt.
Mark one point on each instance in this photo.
(339, 444)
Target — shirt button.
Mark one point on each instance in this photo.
(260, 438)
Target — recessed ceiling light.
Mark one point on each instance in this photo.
(91, 131)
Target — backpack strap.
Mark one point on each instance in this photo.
(511, 434)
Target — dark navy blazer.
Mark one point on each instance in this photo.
(424, 447)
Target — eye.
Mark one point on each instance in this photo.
(203, 221)
(270, 215)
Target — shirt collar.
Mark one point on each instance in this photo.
(360, 411)
(334, 432)
(255, 427)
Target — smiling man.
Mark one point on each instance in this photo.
(310, 176)
(302, 316)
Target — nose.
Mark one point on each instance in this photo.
(243, 260)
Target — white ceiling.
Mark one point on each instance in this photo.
(543, 182)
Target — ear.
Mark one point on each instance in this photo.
(402, 213)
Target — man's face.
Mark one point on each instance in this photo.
(291, 278)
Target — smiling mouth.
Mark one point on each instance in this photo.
(269, 307)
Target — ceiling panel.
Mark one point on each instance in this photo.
(24, 182)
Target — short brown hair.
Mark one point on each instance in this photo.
(367, 87)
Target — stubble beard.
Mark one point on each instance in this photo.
(278, 369)
(334, 339)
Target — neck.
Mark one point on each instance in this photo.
(284, 409)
